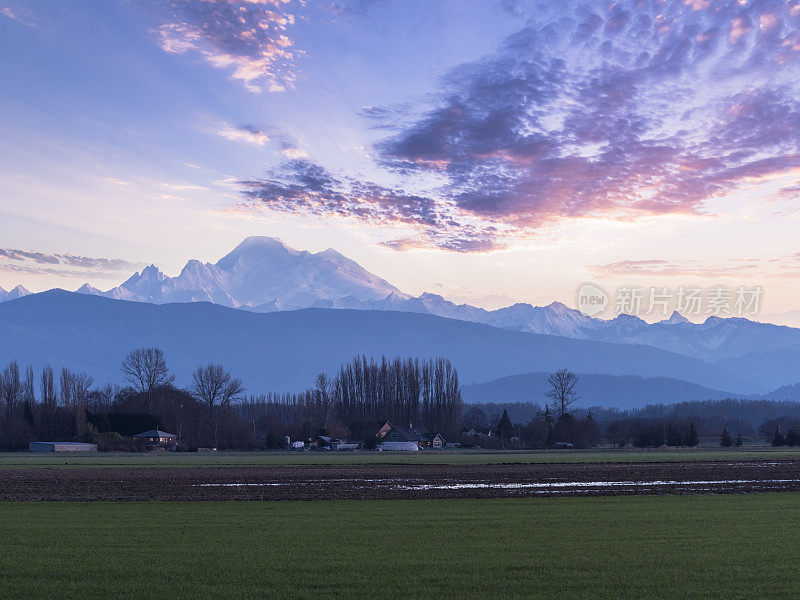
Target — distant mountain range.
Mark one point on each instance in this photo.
(285, 350)
(620, 391)
(263, 274)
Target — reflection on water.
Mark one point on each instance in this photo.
(553, 485)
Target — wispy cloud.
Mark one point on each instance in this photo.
(665, 268)
(244, 133)
(248, 38)
(775, 267)
(302, 186)
(17, 12)
(65, 264)
(292, 151)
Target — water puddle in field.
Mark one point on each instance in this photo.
(547, 487)
(237, 484)
(287, 483)
(587, 484)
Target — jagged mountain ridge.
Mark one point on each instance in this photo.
(13, 294)
(263, 274)
(714, 339)
(285, 350)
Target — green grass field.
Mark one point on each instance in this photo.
(255, 459)
(742, 546)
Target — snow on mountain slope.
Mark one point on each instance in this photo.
(261, 273)
(13, 294)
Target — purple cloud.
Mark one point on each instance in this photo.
(593, 109)
(246, 37)
(571, 118)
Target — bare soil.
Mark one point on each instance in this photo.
(399, 481)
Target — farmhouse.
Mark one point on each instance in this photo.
(61, 447)
(156, 438)
(420, 435)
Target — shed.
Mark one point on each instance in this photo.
(346, 446)
(61, 447)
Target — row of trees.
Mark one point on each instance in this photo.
(792, 438)
(363, 395)
(350, 403)
(213, 409)
(49, 406)
(398, 391)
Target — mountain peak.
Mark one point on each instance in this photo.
(675, 318)
(256, 249)
(261, 273)
(331, 253)
(151, 274)
(559, 307)
(626, 319)
(261, 242)
(13, 294)
(88, 289)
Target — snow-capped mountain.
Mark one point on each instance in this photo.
(17, 292)
(714, 339)
(261, 274)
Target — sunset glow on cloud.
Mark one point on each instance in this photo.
(504, 148)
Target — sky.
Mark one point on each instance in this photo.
(490, 151)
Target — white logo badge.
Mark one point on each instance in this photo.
(592, 299)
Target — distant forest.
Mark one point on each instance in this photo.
(351, 404)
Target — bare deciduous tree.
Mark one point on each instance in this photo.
(216, 388)
(562, 390)
(146, 370)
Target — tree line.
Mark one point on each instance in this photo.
(363, 394)
(729, 421)
(213, 410)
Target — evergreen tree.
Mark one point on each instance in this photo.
(738, 442)
(725, 439)
(504, 428)
(792, 438)
(777, 439)
(692, 438)
(673, 435)
(548, 416)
